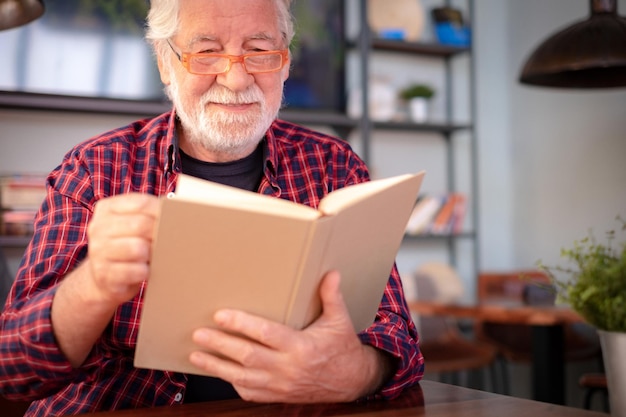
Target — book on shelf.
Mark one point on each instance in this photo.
(220, 247)
(20, 198)
(423, 214)
(17, 222)
(437, 214)
(22, 191)
(459, 213)
(444, 221)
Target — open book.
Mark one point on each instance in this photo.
(222, 247)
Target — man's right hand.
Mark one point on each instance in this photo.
(119, 242)
(120, 238)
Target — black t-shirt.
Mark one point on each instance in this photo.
(244, 173)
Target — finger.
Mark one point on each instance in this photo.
(271, 334)
(221, 362)
(111, 274)
(243, 380)
(125, 215)
(330, 294)
(130, 203)
(251, 384)
(120, 225)
(243, 351)
(116, 281)
(120, 249)
(330, 285)
(214, 365)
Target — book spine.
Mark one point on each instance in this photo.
(305, 305)
(442, 223)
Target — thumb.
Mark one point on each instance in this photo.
(333, 304)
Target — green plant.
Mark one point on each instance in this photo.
(417, 90)
(594, 282)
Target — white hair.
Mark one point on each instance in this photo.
(163, 22)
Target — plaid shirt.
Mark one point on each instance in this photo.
(299, 165)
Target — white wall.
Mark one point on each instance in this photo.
(551, 161)
(493, 75)
(35, 141)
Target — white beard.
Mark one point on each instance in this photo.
(221, 131)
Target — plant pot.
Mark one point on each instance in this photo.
(614, 354)
(418, 109)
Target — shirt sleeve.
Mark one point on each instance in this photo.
(394, 332)
(31, 363)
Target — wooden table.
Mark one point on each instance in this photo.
(548, 365)
(428, 399)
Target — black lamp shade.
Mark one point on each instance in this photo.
(14, 13)
(587, 54)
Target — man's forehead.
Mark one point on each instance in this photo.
(204, 37)
(207, 24)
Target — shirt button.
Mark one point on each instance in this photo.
(178, 397)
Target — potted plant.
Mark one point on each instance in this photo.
(417, 96)
(594, 285)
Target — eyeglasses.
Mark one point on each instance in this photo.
(213, 64)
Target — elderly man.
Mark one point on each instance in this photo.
(70, 324)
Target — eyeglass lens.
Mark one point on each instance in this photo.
(216, 65)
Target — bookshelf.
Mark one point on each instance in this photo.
(448, 131)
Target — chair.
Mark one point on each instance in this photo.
(514, 341)
(447, 352)
(594, 383)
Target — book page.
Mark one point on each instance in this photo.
(365, 240)
(350, 195)
(197, 190)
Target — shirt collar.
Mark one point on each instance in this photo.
(270, 151)
(172, 157)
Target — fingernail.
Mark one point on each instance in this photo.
(201, 335)
(196, 358)
(221, 316)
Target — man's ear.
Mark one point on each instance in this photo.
(164, 70)
(285, 70)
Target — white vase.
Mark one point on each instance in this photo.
(614, 354)
(382, 101)
(418, 109)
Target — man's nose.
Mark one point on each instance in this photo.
(236, 78)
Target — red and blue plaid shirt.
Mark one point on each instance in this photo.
(299, 165)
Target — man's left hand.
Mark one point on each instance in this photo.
(325, 362)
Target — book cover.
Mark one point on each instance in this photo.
(221, 247)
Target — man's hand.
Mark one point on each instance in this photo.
(326, 362)
(119, 237)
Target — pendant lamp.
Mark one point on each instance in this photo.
(14, 13)
(587, 54)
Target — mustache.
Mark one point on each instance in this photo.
(221, 95)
